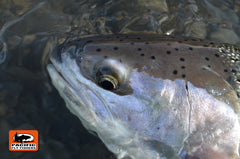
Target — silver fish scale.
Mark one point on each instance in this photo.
(231, 59)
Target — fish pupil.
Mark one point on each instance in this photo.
(108, 85)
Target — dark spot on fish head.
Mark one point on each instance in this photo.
(182, 59)
(183, 67)
(175, 72)
(168, 52)
(146, 43)
(153, 57)
(132, 43)
(115, 48)
(98, 49)
(105, 57)
(190, 48)
(139, 49)
(207, 59)
(142, 54)
(216, 55)
(183, 75)
(176, 49)
(225, 70)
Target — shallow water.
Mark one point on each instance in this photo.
(31, 28)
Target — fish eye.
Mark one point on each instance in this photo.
(107, 78)
(110, 74)
(108, 82)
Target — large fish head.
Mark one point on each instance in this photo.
(145, 102)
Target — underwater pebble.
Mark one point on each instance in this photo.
(22, 6)
(28, 39)
(225, 35)
(197, 29)
(154, 4)
(218, 15)
(146, 23)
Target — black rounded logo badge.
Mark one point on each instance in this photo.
(23, 137)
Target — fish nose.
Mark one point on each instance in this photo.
(56, 54)
(60, 49)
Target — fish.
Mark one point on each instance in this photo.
(149, 96)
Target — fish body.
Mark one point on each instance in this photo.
(151, 96)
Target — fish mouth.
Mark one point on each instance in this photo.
(76, 90)
(73, 101)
